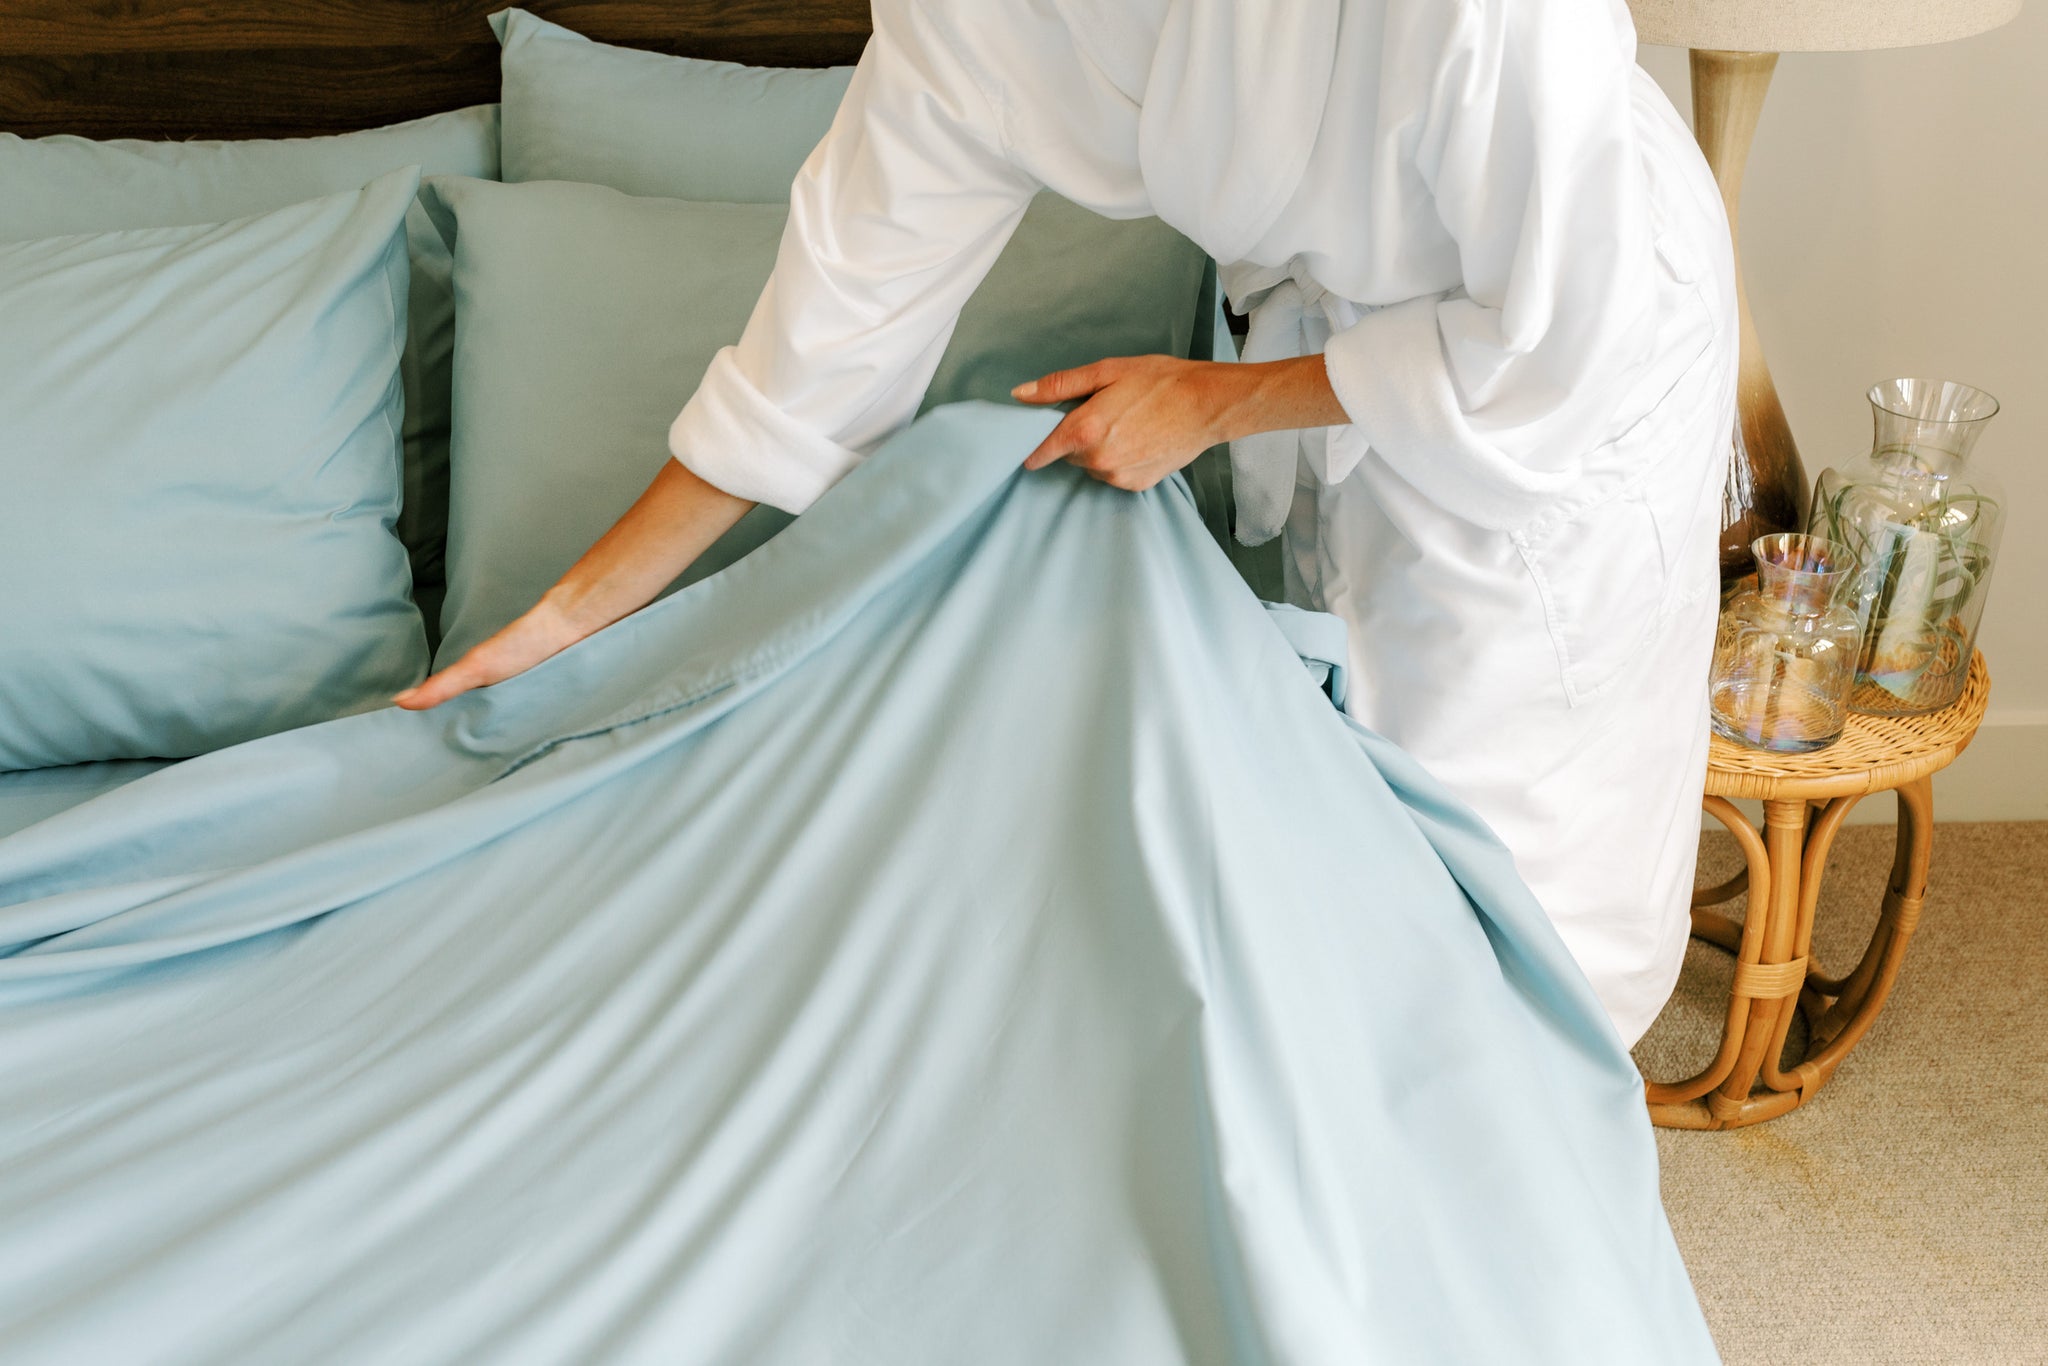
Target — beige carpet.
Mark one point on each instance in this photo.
(1901, 1216)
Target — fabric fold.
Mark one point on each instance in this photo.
(960, 931)
(283, 798)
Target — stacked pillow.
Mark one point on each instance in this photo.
(59, 185)
(587, 316)
(199, 443)
(648, 124)
(234, 376)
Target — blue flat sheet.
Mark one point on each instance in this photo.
(36, 794)
(962, 932)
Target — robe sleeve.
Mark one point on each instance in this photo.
(894, 219)
(1490, 400)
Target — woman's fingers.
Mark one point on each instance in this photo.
(464, 674)
(1057, 387)
(536, 636)
(1078, 434)
(1143, 418)
(1061, 385)
(471, 671)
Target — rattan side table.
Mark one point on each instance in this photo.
(1806, 797)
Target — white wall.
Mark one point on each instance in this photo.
(1895, 222)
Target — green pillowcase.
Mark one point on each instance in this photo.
(654, 125)
(651, 124)
(61, 185)
(1070, 288)
(199, 476)
(587, 317)
(1081, 285)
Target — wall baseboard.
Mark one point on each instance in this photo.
(2002, 776)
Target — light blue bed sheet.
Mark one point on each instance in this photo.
(34, 794)
(961, 932)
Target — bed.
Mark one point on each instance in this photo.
(951, 926)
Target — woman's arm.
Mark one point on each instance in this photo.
(1149, 415)
(670, 525)
(894, 219)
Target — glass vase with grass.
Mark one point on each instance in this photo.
(1922, 525)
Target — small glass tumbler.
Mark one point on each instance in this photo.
(1785, 656)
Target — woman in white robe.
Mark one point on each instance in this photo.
(1491, 386)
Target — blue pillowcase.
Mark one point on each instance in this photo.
(200, 459)
(62, 184)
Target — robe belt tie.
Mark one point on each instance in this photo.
(1291, 315)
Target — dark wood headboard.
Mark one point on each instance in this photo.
(282, 68)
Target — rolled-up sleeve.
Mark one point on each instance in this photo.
(894, 219)
(1487, 401)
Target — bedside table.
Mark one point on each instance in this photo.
(1806, 797)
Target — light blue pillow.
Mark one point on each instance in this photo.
(60, 185)
(585, 319)
(199, 476)
(651, 124)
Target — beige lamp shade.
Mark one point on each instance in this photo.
(1814, 25)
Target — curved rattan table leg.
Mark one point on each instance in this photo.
(1813, 864)
(1678, 1104)
(1865, 992)
(1718, 929)
(1767, 986)
(1721, 893)
(1821, 989)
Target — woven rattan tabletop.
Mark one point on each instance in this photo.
(1875, 754)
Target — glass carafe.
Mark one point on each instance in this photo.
(1785, 656)
(1923, 527)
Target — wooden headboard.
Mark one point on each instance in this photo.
(283, 68)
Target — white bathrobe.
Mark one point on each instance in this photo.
(1516, 265)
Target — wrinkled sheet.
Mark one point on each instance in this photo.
(959, 932)
(36, 794)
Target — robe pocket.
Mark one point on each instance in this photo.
(1602, 576)
(1610, 572)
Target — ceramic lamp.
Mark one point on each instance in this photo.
(1735, 46)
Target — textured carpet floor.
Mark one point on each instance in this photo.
(1901, 1216)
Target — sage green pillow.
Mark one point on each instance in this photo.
(651, 124)
(59, 185)
(586, 318)
(1077, 285)
(199, 476)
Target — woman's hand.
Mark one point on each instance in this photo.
(543, 631)
(1146, 416)
(671, 524)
